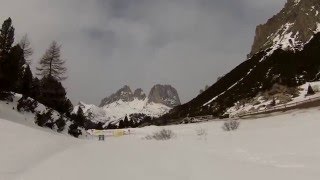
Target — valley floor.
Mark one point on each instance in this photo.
(285, 146)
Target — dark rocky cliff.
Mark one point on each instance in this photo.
(291, 28)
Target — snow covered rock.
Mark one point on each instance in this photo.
(161, 99)
(139, 94)
(291, 28)
(125, 94)
(164, 94)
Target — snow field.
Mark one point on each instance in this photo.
(285, 146)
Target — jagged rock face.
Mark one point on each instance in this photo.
(125, 94)
(139, 94)
(164, 94)
(125, 103)
(291, 28)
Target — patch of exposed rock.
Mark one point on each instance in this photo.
(139, 94)
(125, 94)
(164, 94)
(291, 28)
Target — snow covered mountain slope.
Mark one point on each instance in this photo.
(291, 28)
(115, 111)
(282, 96)
(125, 102)
(284, 146)
(285, 52)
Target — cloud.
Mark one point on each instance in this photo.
(110, 43)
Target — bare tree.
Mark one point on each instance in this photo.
(27, 50)
(51, 63)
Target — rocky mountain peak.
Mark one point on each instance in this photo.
(291, 28)
(125, 94)
(164, 94)
(161, 94)
(139, 94)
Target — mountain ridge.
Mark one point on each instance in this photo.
(125, 102)
(163, 94)
(287, 29)
(289, 66)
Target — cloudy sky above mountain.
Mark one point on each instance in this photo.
(111, 43)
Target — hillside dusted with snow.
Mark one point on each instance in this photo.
(285, 52)
(291, 28)
(9, 110)
(125, 102)
(256, 75)
(118, 110)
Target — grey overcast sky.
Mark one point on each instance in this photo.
(111, 43)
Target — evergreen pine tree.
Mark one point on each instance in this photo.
(6, 38)
(111, 126)
(60, 123)
(126, 122)
(53, 94)
(310, 90)
(44, 118)
(80, 118)
(121, 124)
(26, 82)
(35, 88)
(6, 41)
(74, 131)
(11, 69)
(100, 126)
(51, 63)
(273, 102)
(68, 107)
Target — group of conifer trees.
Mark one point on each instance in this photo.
(16, 75)
(46, 87)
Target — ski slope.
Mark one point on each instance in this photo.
(283, 146)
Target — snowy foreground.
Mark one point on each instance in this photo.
(281, 147)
